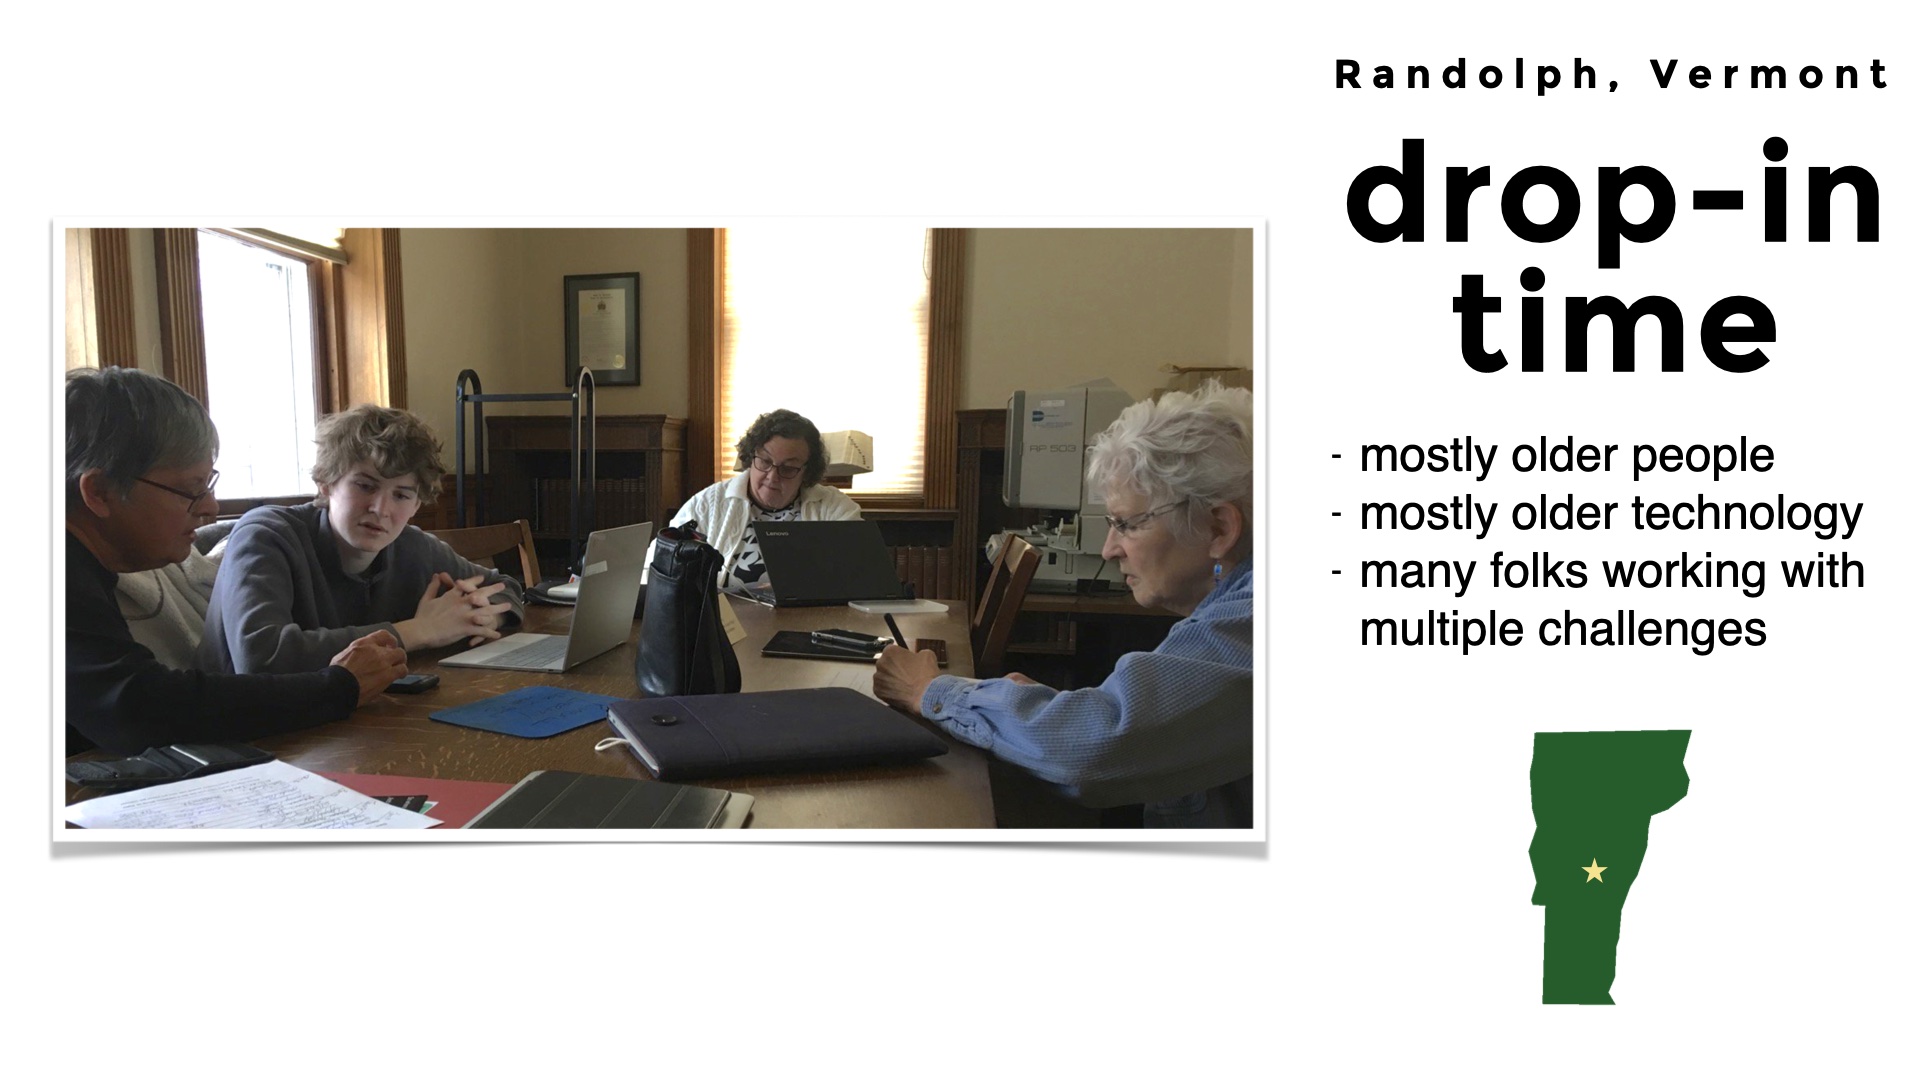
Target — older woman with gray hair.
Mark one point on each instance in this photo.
(140, 479)
(1171, 728)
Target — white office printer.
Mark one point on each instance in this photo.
(1047, 436)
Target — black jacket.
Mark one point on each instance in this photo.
(120, 698)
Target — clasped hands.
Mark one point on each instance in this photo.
(453, 609)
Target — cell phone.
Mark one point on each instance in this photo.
(936, 646)
(413, 684)
(415, 803)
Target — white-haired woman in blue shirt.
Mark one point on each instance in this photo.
(1171, 728)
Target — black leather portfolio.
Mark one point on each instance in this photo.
(567, 800)
(165, 764)
(800, 644)
(681, 738)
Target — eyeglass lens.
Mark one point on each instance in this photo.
(192, 498)
(765, 464)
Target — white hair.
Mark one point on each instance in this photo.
(1194, 447)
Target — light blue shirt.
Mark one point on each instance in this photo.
(1166, 727)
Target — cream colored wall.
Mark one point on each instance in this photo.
(460, 294)
(1044, 308)
(491, 300)
(79, 350)
(1240, 305)
(659, 256)
(1053, 307)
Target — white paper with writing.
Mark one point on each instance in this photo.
(274, 795)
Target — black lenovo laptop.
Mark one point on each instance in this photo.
(816, 563)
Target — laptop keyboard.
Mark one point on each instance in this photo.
(551, 650)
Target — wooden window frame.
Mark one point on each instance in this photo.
(359, 330)
(99, 317)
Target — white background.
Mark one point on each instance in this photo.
(1385, 928)
(1767, 927)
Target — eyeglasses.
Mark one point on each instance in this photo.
(1128, 526)
(762, 463)
(192, 499)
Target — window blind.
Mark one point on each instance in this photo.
(828, 319)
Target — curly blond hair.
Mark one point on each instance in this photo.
(394, 441)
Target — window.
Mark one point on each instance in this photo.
(829, 319)
(257, 311)
(301, 322)
(272, 328)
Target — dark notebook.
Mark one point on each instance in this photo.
(565, 800)
(800, 645)
(681, 738)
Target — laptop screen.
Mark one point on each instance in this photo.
(827, 562)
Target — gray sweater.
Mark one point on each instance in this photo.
(282, 602)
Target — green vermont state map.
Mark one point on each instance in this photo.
(1594, 794)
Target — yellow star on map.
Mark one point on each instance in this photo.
(1593, 872)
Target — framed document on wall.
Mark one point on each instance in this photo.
(603, 328)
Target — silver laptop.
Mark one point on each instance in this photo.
(602, 614)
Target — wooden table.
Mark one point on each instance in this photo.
(394, 736)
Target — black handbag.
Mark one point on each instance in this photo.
(683, 646)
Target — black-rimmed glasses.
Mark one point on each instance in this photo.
(1128, 526)
(762, 463)
(192, 499)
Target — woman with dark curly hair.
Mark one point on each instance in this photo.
(781, 460)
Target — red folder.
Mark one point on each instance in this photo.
(456, 802)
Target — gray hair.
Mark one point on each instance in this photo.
(1195, 448)
(127, 423)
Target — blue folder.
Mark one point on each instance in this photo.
(531, 712)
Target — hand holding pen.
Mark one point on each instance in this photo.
(895, 628)
(901, 676)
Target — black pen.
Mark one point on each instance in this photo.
(895, 628)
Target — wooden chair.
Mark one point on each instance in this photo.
(483, 544)
(999, 605)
